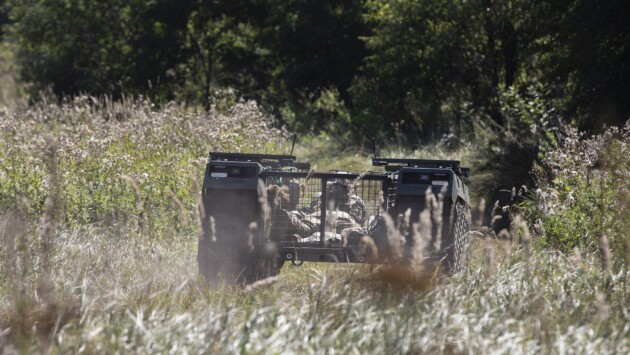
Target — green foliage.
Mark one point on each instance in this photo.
(391, 66)
(98, 47)
(4, 18)
(118, 162)
(221, 49)
(323, 112)
(415, 58)
(432, 61)
(316, 45)
(588, 59)
(65, 52)
(509, 153)
(586, 197)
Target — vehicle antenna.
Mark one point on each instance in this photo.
(374, 146)
(293, 145)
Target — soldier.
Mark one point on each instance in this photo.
(345, 210)
(340, 197)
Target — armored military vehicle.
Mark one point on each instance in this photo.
(262, 211)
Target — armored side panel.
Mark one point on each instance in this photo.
(231, 204)
(230, 196)
(413, 186)
(415, 183)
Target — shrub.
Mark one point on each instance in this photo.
(507, 153)
(585, 196)
(114, 161)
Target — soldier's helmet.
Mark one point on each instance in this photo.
(294, 194)
(338, 193)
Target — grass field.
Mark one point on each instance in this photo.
(98, 255)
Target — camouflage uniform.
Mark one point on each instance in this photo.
(345, 212)
(340, 198)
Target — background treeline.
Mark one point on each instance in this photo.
(366, 67)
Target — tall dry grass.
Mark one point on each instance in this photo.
(108, 294)
(119, 161)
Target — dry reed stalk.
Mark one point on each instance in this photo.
(200, 211)
(603, 308)
(394, 239)
(356, 181)
(261, 283)
(10, 245)
(481, 208)
(605, 257)
(504, 234)
(421, 237)
(404, 222)
(310, 173)
(181, 211)
(426, 223)
(139, 204)
(522, 230)
(209, 229)
(381, 199)
(367, 248)
(51, 210)
(264, 207)
(212, 229)
(438, 218)
(251, 237)
(416, 252)
(283, 197)
(507, 250)
(526, 238)
(332, 218)
(576, 258)
(46, 226)
(490, 260)
(496, 219)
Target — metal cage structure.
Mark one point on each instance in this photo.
(313, 215)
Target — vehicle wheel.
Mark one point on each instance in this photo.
(456, 250)
(224, 258)
(216, 260)
(264, 261)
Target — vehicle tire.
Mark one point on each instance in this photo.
(264, 261)
(216, 259)
(456, 247)
(225, 259)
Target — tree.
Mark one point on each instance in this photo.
(433, 64)
(590, 61)
(72, 45)
(317, 44)
(159, 30)
(316, 51)
(98, 47)
(421, 67)
(424, 56)
(4, 18)
(223, 50)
